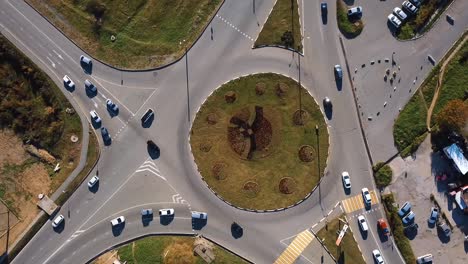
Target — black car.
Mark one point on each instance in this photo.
(106, 136)
(147, 117)
(236, 230)
(416, 3)
(324, 8)
(153, 149)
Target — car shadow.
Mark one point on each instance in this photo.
(325, 18)
(165, 220)
(198, 224)
(70, 89)
(328, 111)
(347, 191)
(90, 93)
(95, 188)
(339, 84)
(349, 2)
(392, 28)
(113, 113)
(411, 232)
(87, 68)
(107, 142)
(364, 234)
(146, 220)
(117, 230)
(59, 229)
(442, 237)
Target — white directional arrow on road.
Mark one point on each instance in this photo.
(51, 62)
(58, 55)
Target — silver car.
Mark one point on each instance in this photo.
(394, 20)
(400, 14)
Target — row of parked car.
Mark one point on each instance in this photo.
(399, 16)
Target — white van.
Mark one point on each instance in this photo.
(199, 215)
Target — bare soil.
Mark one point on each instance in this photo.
(21, 183)
(260, 88)
(306, 153)
(287, 185)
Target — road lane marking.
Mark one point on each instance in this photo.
(58, 54)
(51, 62)
(235, 28)
(356, 203)
(295, 249)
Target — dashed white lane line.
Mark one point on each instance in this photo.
(234, 27)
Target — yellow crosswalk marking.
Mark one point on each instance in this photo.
(295, 249)
(356, 203)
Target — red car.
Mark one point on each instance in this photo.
(383, 226)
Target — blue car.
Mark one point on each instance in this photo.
(404, 210)
(409, 218)
(324, 8)
(106, 136)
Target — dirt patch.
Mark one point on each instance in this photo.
(251, 189)
(107, 258)
(230, 97)
(282, 90)
(306, 153)
(35, 179)
(212, 119)
(260, 88)
(287, 185)
(205, 147)
(11, 148)
(219, 171)
(300, 117)
(179, 252)
(246, 138)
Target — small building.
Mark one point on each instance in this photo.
(454, 153)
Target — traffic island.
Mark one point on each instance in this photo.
(349, 27)
(348, 250)
(254, 149)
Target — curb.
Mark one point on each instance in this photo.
(134, 70)
(253, 210)
(277, 46)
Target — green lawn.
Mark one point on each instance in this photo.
(269, 166)
(349, 246)
(348, 28)
(410, 125)
(152, 249)
(283, 18)
(147, 32)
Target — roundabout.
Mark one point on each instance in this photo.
(256, 147)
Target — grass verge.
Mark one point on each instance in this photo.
(282, 27)
(396, 226)
(350, 252)
(92, 156)
(147, 33)
(350, 29)
(410, 128)
(428, 13)
(170, 249)
(274, 176)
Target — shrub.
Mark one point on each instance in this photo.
(383, 174)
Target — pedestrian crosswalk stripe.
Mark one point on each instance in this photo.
(295, 249)
(356, 202)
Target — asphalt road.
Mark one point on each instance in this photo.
(130, 180)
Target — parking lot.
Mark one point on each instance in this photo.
(414, 181)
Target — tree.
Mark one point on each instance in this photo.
(454, 116)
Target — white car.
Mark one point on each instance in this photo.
(68, 82)
(199, 215)
(57, 221)
(93, 181)
(111, 106)
(363, 223)
(117, 221)
(377, 256)
(146, 212)
(410, 7)
(166, 212)
(366, 196)
(400, 14)
(394, 20)
(95, 117)
(355, 11)
(346, 179)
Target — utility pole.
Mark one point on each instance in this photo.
(187, 78)
(300, 92)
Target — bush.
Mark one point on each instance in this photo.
(396, 226)
(383, 174)
(347, 28)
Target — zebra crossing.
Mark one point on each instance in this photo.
(77, 233)
(149, 166)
